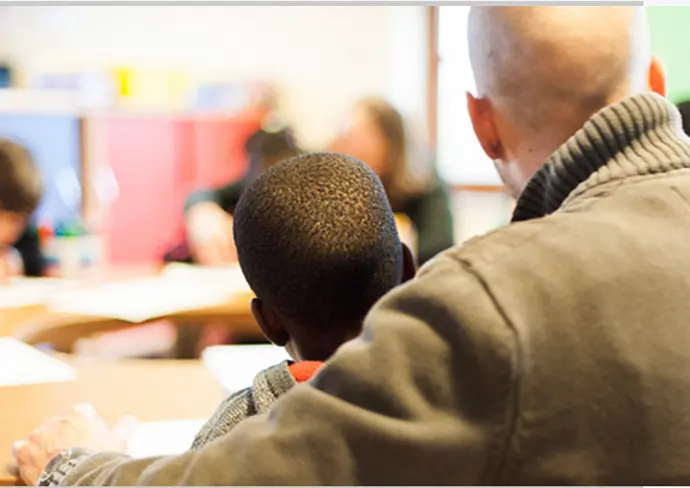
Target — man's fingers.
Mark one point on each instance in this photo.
(18, 448)
(11, 468)
(30, 475)
(22, 466)
(35, 435)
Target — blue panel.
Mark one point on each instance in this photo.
(5, 76)
(54, 142)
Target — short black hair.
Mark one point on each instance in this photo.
(684, 109)
(266, 148)
(316, 239)
(21, 186)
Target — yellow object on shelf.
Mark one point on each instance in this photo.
(155, 89)
(123, 80)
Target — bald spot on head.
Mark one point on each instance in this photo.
(546, 65)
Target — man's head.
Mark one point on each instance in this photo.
(20, 190)
(317, 242)
(541, 72)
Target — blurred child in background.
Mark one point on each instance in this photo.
(21, 190)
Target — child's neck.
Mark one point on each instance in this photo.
(323, 347)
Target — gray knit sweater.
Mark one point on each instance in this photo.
(554, 351)
(266, 388)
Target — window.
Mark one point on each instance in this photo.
(461, 160)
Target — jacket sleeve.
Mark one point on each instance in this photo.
(235, 408)
(423, 397)
(29, 249)
(225, 196)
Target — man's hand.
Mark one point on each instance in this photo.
(80, 427)
(210, 235)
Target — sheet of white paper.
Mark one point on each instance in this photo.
(21, 364)
(163, 438)
(141, 299)
(22, 292)
(235, 366)
(228, 278)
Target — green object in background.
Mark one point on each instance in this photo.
(669, 28)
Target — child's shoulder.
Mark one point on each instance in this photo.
(267, 387)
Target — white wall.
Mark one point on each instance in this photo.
(408, 86)
(322, 57)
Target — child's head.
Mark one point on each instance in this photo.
(317, 242)
(20, 190)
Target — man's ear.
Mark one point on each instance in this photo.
(409, 269)
(656, 77)
(481, 115)
(269, 323)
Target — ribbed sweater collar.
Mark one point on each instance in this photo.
(636, 136)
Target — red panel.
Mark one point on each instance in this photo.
(219, 151)
(186, 172)
(147, 164)
(158, 162)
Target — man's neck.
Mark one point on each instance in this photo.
(636, 136)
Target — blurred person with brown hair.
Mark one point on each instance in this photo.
(376, 134)
(208, 213)
(21, 190)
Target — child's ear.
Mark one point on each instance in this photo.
(269, 323)
(409, 269)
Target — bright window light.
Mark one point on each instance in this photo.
(461, 160)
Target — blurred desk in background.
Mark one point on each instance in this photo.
(60, 323)
(150, 390)
(62, 331)
(13, 315)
